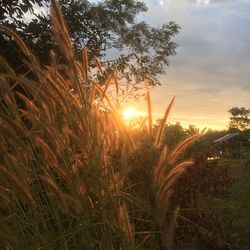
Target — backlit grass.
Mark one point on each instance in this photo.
(67, 159)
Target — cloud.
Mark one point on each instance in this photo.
(211, 70)
(220, 1)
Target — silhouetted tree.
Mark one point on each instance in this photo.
(239, 119)
(141, 50)
(173, 134)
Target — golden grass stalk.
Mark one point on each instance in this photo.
(115, 116)
(98, 64)
(106, 85)
(53, 65)
(124, 222)
(21, 189)
(60, 31)
(85, 59)
(50, 156)
(142, 123)
(123, 130)
(149, 106)
(13, 124)
(30, 86)
(159, 168)
(11, 136)
(168, 238)
(173, 175)
(63, 39)
(30, 104)
(93, 91)
(113, 75)
(163, 123)
(55, 190)
(179, 149)
(164, 191)
(22, 45)
(116, 84)
(6, 66)
(73, 203)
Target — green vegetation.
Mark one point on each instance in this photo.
(239, 203)
(236, 204)
(239, 119)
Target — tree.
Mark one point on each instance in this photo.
(239, 119)
(142, 50)
(12, 15)
(12, 10)
(173, 134)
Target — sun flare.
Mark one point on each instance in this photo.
(129, 113)
(133, 117)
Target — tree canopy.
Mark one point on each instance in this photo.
(239, 118)
(141, 50)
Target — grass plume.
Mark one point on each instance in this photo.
(163, 123)
(65, 135)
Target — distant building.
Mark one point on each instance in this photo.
(227, 137)
(233, 145)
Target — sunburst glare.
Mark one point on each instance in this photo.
(129, 113)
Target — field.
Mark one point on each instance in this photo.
(237, 204)
(216, 210)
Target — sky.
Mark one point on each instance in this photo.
(211, 71)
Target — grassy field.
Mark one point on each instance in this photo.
(240, 205)
(237, 204)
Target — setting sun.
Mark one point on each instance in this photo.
(129, 113)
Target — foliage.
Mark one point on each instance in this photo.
(141, 50)
(200, 226)
(173, 133)
(239, 118)
(12, 10)
(238, 202)
(195, 193)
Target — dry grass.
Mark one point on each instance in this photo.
(163, 123)
(60, 133)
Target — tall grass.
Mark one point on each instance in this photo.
(67, 158)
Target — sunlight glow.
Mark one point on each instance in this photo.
(129, 113)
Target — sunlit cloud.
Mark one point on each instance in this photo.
(203, 2)
(211, 71)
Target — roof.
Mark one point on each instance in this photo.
(226, 137)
